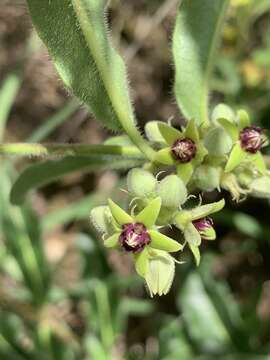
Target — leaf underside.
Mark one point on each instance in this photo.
(76, 35)
(195, 39)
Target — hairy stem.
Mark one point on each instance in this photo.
(23, 149)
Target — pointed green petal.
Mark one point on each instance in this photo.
(231, 128)
(237, 155)
(142, 262)
(164, 156)
(201, 153)
(209, 234)
(192, 132)
(163, 242)
(192, 235)
(206, 210)
(243, 119)
(169, 133)
(196, 253)
(149, 214)
(120, 216)
(112, 241)
(258, 161)
(185, 171)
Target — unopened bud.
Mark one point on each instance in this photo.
(218, 142)
(102, 220)
(251, 139)
(207, 178)
(260, 187)
(172, 191)
(141, 183)
(222, 111)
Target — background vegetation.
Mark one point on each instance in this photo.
(62, 295)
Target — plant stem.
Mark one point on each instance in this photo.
(39, 150)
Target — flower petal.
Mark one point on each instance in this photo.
(209, 234)
(142, 262)
(206, 210)
(196, 253)
(169, 133)
(112, 241)
(243, 119)
(160, 274)
(185, 171)
(192, 235)
(149, 214)
(230, 128)
(120, 216)
(192, 132)
(163, 242)
(164, 156)
(237, 155)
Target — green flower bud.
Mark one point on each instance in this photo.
(172, 191)
(160, 273)
(102, 219)
(222, 111)
(260, 187)
(153, 133)
(207, 178)
(218, 141)
(141, 183)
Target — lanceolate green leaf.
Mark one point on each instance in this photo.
(76, 35)
(48, 171)
(195, 39)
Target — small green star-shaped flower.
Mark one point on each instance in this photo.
(184, 150)
(197, 226)
(138, 235)
(248, 140)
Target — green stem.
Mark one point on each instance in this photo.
(124, 114)
(24, 149)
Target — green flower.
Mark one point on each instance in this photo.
(248, 140)
(184, 150)
(196, 225)
(138, 235)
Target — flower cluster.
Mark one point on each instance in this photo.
(226, 154)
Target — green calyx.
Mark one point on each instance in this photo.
(172, 191)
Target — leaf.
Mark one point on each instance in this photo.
(77, 38)
(204, 325)
(48, 171)
(195, 40)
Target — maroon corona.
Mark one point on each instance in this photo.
(251, 139)
(184, 150)
(134, 237)
(203, 224)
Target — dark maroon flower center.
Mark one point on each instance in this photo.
(184, 150)
(251, 139)
(134, 237)
(203, 224)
